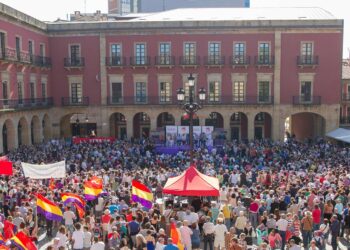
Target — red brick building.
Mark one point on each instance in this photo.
(266, 71)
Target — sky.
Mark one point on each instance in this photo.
(50, 10)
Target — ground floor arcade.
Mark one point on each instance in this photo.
(248, 122)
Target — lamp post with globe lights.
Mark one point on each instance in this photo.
(190, 106)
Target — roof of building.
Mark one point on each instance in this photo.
(346, 69)
(209, 14)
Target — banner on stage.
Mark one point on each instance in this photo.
(171, 134)
(77, 140)
(208, 131)
(197, 130)
(46, 171)
(183, 133)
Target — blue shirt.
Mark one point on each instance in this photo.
(171, 247)
(113, 208)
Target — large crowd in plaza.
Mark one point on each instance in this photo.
(273, 195)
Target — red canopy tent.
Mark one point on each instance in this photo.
(192, 183)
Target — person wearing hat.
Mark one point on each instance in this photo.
(219, 231)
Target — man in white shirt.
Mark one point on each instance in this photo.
(78, 238)
(186, 233)
(68, 217)
(282, 225)
(98, 245)
(220, 231)
(208, 230)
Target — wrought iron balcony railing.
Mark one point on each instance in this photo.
(307, 60)
(74, 62)
(75, 101)
(264, 60)
(240, 60)
(25, 103)
(172, 100)
(140, 61)
(214, 60)
(307, 100)
(116, 61)
(189, 60)
(165, 60)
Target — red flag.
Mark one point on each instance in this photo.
(174, 234)
(4, 158)
(5, 168)
(80, 210)
(22, 241)
(52, 184)
(9, 229)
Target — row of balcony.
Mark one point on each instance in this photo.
(171, 100)
(26, 103)
(168, 61)
(12, 55)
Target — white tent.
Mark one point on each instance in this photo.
(340, 134)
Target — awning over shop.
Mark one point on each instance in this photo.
(340, 134)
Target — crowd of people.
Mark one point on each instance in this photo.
(273, 195)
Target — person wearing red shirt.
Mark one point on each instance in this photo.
(105, 222)
(316, 217)
(253, 213)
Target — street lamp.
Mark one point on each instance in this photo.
(191, 107)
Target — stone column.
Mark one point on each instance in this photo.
(103, 71)
(250, 117)
(277, 125)
(129, 125)
(227, 125)
(277, 69)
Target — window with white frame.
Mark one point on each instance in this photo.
(306, 52)
(20, 92)
(32, 91)
(43, 90)
(117, 92)
(75, 54)
(164, 53)
(239, 53)
(18, 48)
(264, 91)
(2, 44)
(189, 53)
(238, 91)
(76, 93)
(306, 91)
(214, 53)
(141, 92)
(140, 54)
(4, 90)
(264, 53)
(165, 91)
(31, 50)
(116, 53)
(214, 91)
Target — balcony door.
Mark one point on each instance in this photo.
(306, 92)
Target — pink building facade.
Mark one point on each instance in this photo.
(264, 78)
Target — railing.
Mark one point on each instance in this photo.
(172, 100)
(344, 120)
(307, 100)
(240, 60)
(346, 97)
(25, 103)
(165, 60)
(74, 62)
(140, 61)
(307, 60)
(75, 101)
(264, 60)
(116, 61)
(214, 60)
(189, 60)
(42, 61)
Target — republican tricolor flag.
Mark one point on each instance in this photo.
(47, 208)
(93, 188)
(142, 194)
(23, 242)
